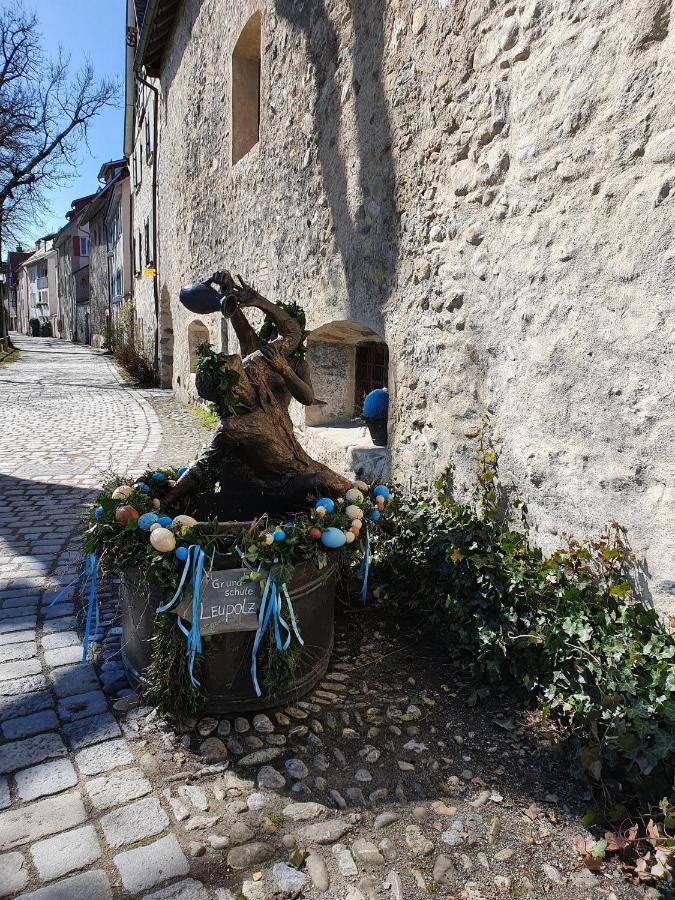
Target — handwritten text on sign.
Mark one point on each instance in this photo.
(226, 603)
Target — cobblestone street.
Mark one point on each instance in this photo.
(383, 783)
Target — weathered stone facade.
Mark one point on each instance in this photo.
(486, 186)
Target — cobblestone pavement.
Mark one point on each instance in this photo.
(383, 783)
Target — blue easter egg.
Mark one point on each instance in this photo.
(376, 404)
(327, 503)
(147, 520)
(375, 515)
(381, 491)
(333, 538)
(158, 476)
(182, 553)
(279, 535)
(181, 470)
(98, 513)
(142, 486)
(165, 521)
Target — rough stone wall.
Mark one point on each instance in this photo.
(488, 185)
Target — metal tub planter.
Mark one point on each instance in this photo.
(225, 672)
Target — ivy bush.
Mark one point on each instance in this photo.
(568, 628)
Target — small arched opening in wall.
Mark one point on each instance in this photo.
(246, 89)
(347, 360)
(198, 333)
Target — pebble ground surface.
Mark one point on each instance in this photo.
(383, 783)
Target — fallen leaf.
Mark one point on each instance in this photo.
(442, 809)
(531, 812)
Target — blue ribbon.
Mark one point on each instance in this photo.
(90, 572)
(193, 636)
(364, 568)
(181, 583)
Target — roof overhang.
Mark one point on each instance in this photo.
(158, 22)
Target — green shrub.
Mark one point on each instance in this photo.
(46, 330)
(567, 628)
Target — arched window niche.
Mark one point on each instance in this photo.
(347, 360)
(197, 334)
(246, 89)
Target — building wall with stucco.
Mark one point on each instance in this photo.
(485, 187)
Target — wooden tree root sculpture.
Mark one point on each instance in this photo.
(255, 455)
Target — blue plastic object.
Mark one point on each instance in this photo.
(98, 513)
(375, 515)
(279, 535)
(182, 553)
(381, 491)
(142, 486)
(376, 404)
(327, 504)
(158, 476)
(165, 521)
(181, 470)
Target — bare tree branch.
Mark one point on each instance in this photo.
(45, 113)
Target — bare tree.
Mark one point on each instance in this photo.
(45, 114)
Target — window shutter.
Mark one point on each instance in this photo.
(76, 246)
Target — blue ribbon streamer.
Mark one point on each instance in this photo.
(89, 572)
(181, 583)
(364, 568)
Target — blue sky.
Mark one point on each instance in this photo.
(93, 29)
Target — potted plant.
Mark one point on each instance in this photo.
(375, 413)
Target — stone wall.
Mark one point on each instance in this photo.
(488, 186)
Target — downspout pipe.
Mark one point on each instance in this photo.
(155, 253)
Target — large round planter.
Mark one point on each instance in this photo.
(225, 673)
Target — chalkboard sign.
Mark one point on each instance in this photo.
(226, 603)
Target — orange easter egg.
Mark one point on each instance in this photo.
(125, 514)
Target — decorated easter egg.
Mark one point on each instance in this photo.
(156, 503)
(357, 524)
(321, 511)
(269, 539)
(314, 533)
(333, 538)
(354, 512)
(182, 553)
(158, 476)
(155, 525)
(375, 515)
(361, 485)
(356, 531)
(122, 492)
(165, 521)
(380, 502)
(381, 491)
(327, 504)
(350, 537)
(124, 514)
(181, 470)
(147, 520)
(188, 521)
(98, 513)
(279, 534)
(142, 486)
(163, 540)
(354, 495)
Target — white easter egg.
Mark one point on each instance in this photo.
(354, 496)
(156, 504)
(357, 523)
(185, 520)
(155, 526)
(122, 492)
(163, 540)
(351, 537)
(354, 512)
(361, 485)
